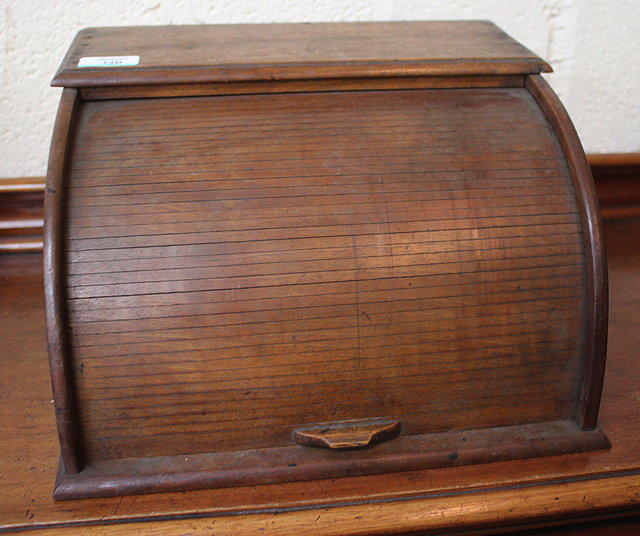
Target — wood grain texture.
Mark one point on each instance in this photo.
(225, 53)
(351, 434)
(21, 214)
(301, 463)
(617, 180)
(21, 185)
(490, 498)
(352, 244)
(616, 177)
(296, 86)
(233, 276)
(54, 282)
(405, 517)
(597, 289)
(333, 268)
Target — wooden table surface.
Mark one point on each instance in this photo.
(543, 492)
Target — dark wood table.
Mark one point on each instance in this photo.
(589, 493)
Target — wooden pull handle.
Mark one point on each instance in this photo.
(347, 434)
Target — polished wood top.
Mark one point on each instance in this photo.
(509, 494)
(243, 52)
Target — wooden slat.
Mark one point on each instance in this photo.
(616, 177)
(220, 254)
(295, 86)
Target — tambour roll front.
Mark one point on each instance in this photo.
(287, 252)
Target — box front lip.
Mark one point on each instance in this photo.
(133, 476)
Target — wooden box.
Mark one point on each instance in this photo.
(287, 252)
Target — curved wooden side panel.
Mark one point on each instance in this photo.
(597, 290)
(61, 378)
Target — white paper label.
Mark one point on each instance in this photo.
(109, 61)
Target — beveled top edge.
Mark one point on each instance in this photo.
(248, 52)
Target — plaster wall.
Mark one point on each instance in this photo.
(593, 46)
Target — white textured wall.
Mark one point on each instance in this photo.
(593, 45)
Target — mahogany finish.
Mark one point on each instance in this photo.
(54, 282)
(225, 270)
(596, 263)
(593, 492)
(614, 175)
(249, 52)
(617, 180)
(21, 214)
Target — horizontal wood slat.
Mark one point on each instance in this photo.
(617, 177)
(221, 253)
(612, 174)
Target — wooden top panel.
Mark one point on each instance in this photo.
(183, 54)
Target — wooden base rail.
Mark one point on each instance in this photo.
(617, 179)
(616, 175)
(21, 214)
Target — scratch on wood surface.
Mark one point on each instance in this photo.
(115, 512)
